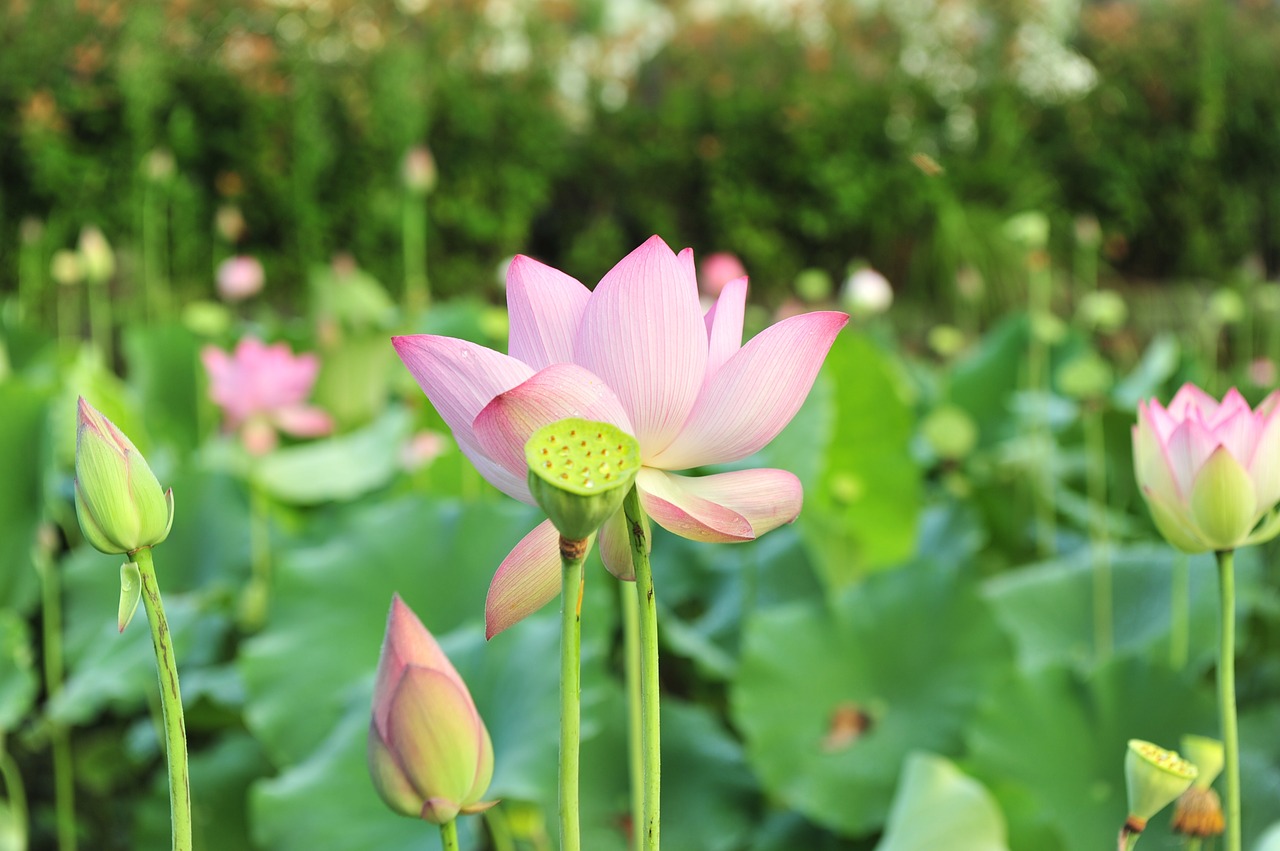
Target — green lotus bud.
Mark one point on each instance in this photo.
(1155, 778)
(118, 499)
(96, 256)
(1206, 755)
(579, 473)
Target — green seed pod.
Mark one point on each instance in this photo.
(1155, 778)
(579, 473)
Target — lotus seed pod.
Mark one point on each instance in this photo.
(1155, 778)
(579, 473)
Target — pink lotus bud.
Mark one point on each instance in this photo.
(1209, 470)
(717, 270)
(430, 755)
(419, 170)
(239, 278)
(118, 499)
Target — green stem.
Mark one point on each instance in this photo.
(100, 318)
(417, 290)
(1227, 696)
(449, 835)
(170, 703)
(635, 733)
(64, 785)
(16, 792)
(499, 829)
(1096, 483)
(256, 597)
(638, 526)
(1180, 627)
(1039, 304)
(570, 688)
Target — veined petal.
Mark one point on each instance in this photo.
(1232, 404)
(545, 306)
(389, 777)
(559, 391)
(615, 547)
(434, 729)
(688, 269)
(1187, 449)
(460, 378)
(755, 394)
(527, 579)
(724, 325)
(1151, 464)
(766, 498)
(676, 508)
(406, 642)
(642, 332)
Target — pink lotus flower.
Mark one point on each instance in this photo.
(1210, 471)
(262, 388)
(717, 271)
(430, 755)
(239, 278)
(638, 353)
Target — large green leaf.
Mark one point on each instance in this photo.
(831, 700)
(338, 468)
(1050, 745)
(938, 806)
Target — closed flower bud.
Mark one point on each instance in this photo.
(1154, 778)
(118, 499)
(1209, 470)
(579, 473)
(96, 256)
(430, 755)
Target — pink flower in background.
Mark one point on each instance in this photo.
(239, 278)
(717, 271)
(262, 389)
(639, 353)
(1209, 470)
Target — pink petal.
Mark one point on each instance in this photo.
(1190, 397)
(615, 547)
(766, 498)
(303, 421)
(1264, 467)
(755, 394)
(406, 642)
(433, 728)
(724, 326)
(1187, 449)
(677, 508)
(545, 306)
(642, 332)
(1237, 430)
(559, 391)
(460, 378)
(527, 579)
(688, 269)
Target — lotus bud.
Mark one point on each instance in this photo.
(866, 293)
(579, 473)
(419, 170)
(813, 285)
(118, 499)
(1154, 778)
(66, 268)
(1103, 310)
(96, 257)
(716, 270)
(239, 277)
(1209, 470)
(430, 755)
(1029, 230)
(229, 222)
(158, 165)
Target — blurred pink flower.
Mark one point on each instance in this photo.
(423, 448)
(716, 271)
(636, 352)
(239, 278)
(262, 388)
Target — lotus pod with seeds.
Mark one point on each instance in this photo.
(579, 473)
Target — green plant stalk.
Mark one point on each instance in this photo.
(1096, 484)
(416, 289)
(1038, 303)
(16, 792)
(638, 529)
(67, 305)
(449, 835)
(499, 830)
(635, 733)
(1227, 696)
(170, 703)
(64, 785)
(570, 690)
(1179, 617)
(257, 594)
(30, 280)
(100, 318)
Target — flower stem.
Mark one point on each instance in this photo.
(17, 794)
(635, 734)
(64, 787)
(1227, 696)
(170, 703)
(449, 835)
(1096, 484)
(572, 554)
(414, 220)
(638, 526)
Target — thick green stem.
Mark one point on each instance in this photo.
(170, 703)
(1096, 484)
(64, 786)
(635, 732)
(1227, 696)
(638, 528)
(449, 835)
(572, 554)
(416, 287)
(16, 793)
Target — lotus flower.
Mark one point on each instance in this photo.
(1210, 471)
(239, 277)
(430, 755)
(638, 353)
(718, 270)
(262, 388)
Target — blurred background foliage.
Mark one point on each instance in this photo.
(1075, 204)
